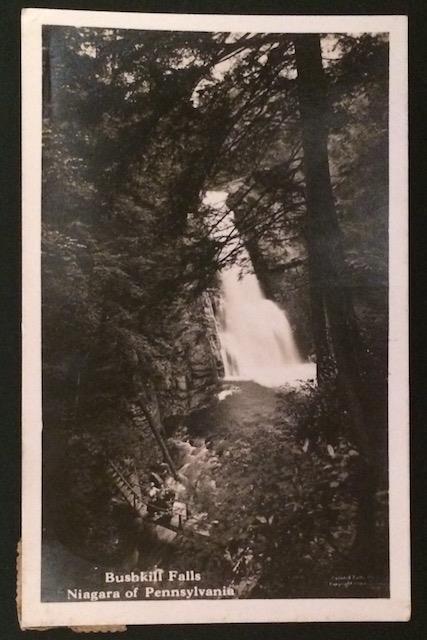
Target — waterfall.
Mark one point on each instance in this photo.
(255, 335)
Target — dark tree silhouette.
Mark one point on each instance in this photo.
(333, 310)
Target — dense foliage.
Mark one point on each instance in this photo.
(137, 126)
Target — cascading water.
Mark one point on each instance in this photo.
(255, 335)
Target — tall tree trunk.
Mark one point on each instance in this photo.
(324, 244)
(319, 326)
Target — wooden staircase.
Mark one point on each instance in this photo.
(175, 521)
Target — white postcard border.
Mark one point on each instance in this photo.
(38, 614)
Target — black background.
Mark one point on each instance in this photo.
(10, 313)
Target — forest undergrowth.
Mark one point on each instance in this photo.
(285, 498)
(277, 496)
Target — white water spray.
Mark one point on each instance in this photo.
(255, 334)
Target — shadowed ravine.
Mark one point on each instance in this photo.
(245, 474)
(215, 298)
(213, 457)
(215, 452)
(254, 486)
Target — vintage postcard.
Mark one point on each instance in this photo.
(215, 319)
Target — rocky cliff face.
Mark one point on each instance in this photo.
(196, 365)
(279, 261)
(177, 372)
(285, 282)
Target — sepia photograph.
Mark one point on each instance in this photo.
(217, 289)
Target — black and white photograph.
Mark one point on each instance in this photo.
(215, 259)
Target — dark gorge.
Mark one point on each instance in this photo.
(214, 284)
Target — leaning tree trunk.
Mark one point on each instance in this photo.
(325, 249)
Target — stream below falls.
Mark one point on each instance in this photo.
(259, 357)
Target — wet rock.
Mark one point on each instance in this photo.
(181, 383)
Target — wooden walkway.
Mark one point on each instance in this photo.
(175, 520)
